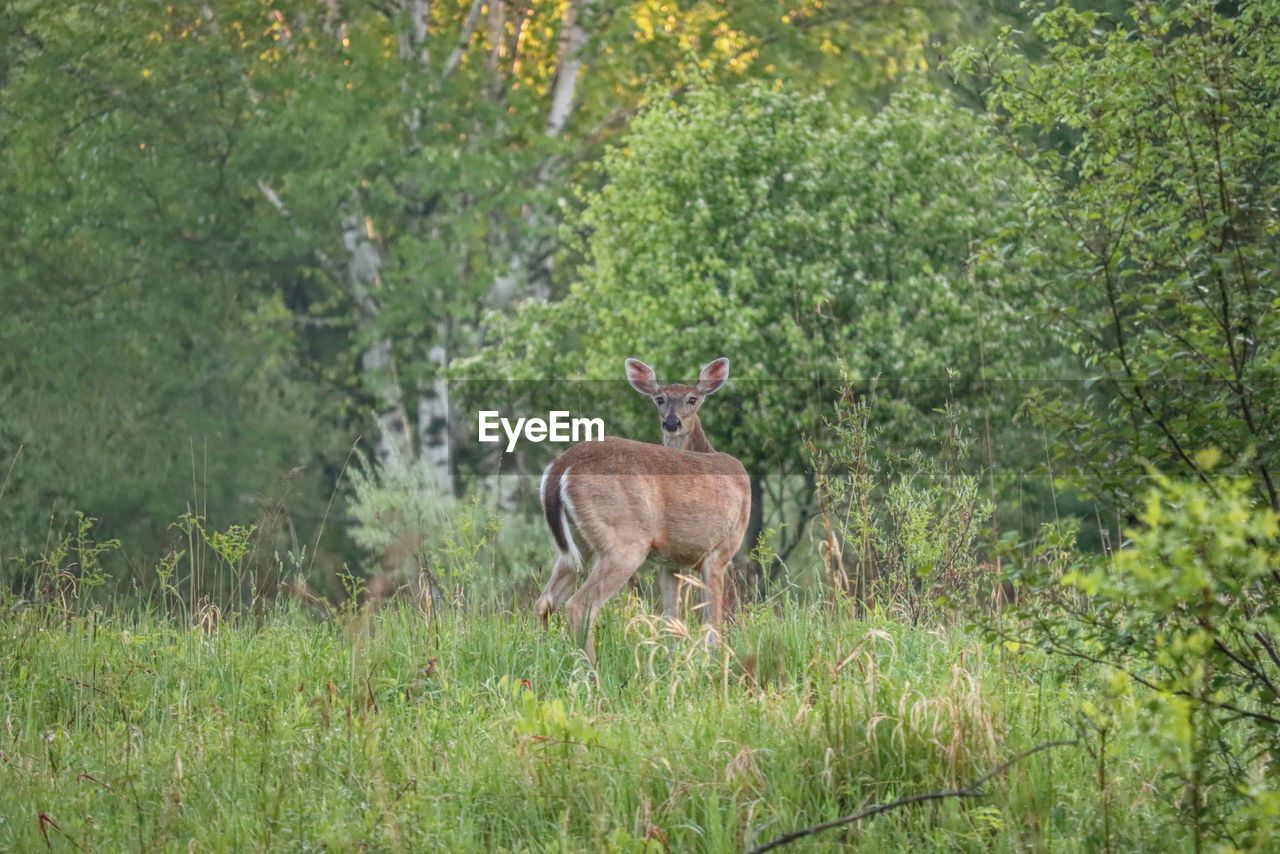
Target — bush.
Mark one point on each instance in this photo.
(1190, 610)
(755, 223)
(441, 548)
(901, 530)
(1153, 137)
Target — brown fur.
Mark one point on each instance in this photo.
(626, 500)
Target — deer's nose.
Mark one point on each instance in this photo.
(671, 424)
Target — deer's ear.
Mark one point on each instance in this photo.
(642, 377)
(714, 375)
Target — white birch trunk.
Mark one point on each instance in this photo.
(497, 34)
(377, 364)
(521, 280)
(464, 39)
(573, 37)
(413, 43)
(435, 425)
(519, 276)
(434, 412)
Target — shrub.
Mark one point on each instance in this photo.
(901, 530)
(1153, 136)
(1190, 610)
(437, 546)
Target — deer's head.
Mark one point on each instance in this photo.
(678, 404)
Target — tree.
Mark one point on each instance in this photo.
(756, 224)
(1164, 176)
(455, 147)
(147, 359)
(1153, 140)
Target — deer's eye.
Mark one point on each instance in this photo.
(659, 400)
(692, 401)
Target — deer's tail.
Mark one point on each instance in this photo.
(557, 509)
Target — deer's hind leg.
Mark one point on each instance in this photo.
(611, 570)
(564, 575)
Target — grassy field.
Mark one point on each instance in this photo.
(393, 731)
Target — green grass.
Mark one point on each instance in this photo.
(480, 732)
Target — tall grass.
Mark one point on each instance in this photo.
(474, 730)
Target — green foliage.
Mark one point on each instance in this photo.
(212, 213)
(757, 224)
(1152, 136)
(1189, 610)
(477, 732)
(1164, 124)
(903, 531)
(68, 571)
(144, 343)
(218, 570)
(451, 550)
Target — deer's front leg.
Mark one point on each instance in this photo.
(714, 566)
(669, 585)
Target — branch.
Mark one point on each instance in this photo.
(273, 199)
(464, 39)
(1249, 667)
(973, 790)
(1052, 646)
(1266, 642)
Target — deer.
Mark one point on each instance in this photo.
(615, 501)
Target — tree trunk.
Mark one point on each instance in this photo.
(432, 451)
(412, 44)
(573, 37)
(528, 272)
(435, 421)
(378, 364)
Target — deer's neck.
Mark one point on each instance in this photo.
(694, 440)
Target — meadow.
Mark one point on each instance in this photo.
(394, 730)
(999, 289)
